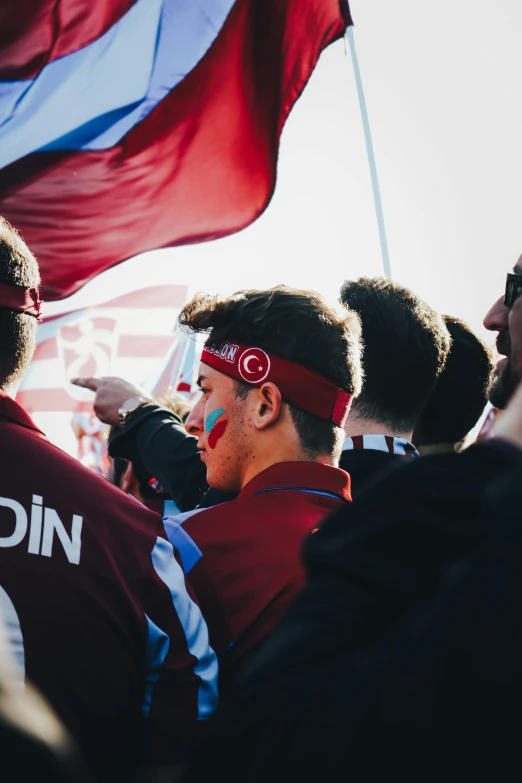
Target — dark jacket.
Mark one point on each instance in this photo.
(403, 657)
(365, 465)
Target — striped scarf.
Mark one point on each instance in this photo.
(387, 443)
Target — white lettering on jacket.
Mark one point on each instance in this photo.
(45, 525)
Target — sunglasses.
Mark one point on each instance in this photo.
(513, 289)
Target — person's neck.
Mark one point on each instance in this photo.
(438, 448)
(259, 461)
(361, 425)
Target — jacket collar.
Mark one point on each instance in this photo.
(10, 409)
(387, 443)
(300, 476)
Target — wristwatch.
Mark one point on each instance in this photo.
(131, 406)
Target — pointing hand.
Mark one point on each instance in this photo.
(111, 393)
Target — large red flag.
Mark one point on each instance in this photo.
(127, 126)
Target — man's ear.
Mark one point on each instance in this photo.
(268, 405)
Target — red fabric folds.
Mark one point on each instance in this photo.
(33, 34)
(202, 165)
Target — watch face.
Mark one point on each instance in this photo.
(129, 406)
(132, 404)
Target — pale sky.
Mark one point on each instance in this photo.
(442, 84)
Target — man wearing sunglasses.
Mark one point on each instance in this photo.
(505, 317)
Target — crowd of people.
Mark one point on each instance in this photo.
(307, 575)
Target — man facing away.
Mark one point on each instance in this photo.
(405, 347)
(277, 375)
(460, 394)
(95, 603)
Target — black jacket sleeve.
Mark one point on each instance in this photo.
(156, 441)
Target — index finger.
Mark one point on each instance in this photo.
(87, 383)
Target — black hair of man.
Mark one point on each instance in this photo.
(405, 347)
(117, 472)
(293, 324)
(17, 330)
(117, 468)
(460, 395)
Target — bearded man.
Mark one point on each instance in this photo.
(505, 317)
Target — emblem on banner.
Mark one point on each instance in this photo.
(87, 348)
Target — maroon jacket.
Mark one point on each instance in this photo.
(244, 556)
(97, 607)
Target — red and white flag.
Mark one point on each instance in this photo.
(179, 370)
(128, 125)
(130, 336)
(186, 383)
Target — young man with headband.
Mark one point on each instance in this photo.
(277, 374)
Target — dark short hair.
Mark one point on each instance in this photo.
(119, 466)
(405, 346)
(295, 325)
(17, 330)
(460, 395)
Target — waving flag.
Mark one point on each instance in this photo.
(127, 125)
(187, 382)
(179, 370)
(130, 336)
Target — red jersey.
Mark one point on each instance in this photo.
(244, 556)
(96, 606)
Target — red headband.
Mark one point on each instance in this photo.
(303, 388)
(24, 300)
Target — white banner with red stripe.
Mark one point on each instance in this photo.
(130, 336)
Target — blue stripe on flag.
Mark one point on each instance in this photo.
(194, 626)
(91, 98)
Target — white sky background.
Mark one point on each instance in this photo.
(442, 83)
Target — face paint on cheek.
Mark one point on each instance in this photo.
(217, 433)
(215, 428)
(210, 421)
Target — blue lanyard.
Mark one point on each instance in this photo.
(303, 489)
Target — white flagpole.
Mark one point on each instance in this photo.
(371, 155)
